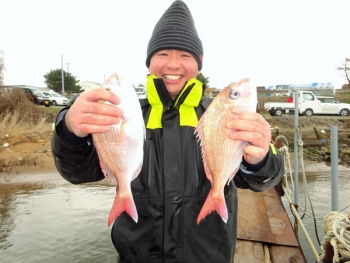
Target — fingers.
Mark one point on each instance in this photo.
(253, 128)
(97, 112)
(89, 114)
(95, 95)
(253, 154)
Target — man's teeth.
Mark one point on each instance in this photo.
(172, 77)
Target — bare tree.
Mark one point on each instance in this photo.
(2, 68)
(345, 69)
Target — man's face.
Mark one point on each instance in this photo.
(175, 67)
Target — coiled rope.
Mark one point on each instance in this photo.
(337, 230)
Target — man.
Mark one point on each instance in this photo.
(172, 186)
(290, 99)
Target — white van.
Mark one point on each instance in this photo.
(56, 98)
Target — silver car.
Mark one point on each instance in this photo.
(331, 105)
(56, 98)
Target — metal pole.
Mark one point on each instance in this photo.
(334, 166)
(296, 165)
(62, 74)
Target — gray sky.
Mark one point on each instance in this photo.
(270, 41)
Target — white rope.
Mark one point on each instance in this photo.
(336, 225)
(284, 150)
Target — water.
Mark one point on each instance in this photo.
(319, 189)
(54, 221)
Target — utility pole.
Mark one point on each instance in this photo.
(68, 67)
(62, 74)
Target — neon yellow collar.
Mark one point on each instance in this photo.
(186, 102)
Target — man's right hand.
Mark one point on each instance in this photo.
(88, 115)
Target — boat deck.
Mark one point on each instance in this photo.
(264, 230)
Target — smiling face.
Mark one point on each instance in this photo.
(175, 67)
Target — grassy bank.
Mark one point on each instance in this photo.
(20, 119)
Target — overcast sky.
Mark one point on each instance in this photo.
(270, 41)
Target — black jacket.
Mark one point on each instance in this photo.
(170, 191)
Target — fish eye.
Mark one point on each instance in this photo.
(234, 94)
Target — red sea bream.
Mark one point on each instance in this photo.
(221, 154)
(120, 149)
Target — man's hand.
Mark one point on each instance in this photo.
(88, 115)
(253, 128)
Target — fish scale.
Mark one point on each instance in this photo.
(221, 154)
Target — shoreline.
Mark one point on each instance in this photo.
(317, 167)
(27, 162)
(33, 162)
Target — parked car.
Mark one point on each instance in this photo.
(309, 104)
(56, 98)
(331, 105)
(141, 92)
(35, 95)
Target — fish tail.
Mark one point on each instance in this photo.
(214, 202)
(123, 203)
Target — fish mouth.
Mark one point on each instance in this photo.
(172, 77)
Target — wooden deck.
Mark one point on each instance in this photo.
(264, 230)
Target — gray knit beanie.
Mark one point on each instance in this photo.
(176, 30)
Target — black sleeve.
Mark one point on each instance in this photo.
(75, 158)
(269, 175)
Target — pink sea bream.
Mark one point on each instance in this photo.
(120, 149)
(221, 154)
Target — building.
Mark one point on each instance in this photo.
(89, 85)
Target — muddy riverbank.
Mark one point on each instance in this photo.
(24, 156)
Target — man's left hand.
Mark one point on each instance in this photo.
(253, 128)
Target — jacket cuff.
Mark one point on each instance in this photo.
(65, 135)
(252, 168)
(76, 165)
(268, 176)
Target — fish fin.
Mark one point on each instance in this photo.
(199, 132)
(107, 173)
(214, 202)
(104, 168)
(123, 203)
(207, 171)
(232, 175)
